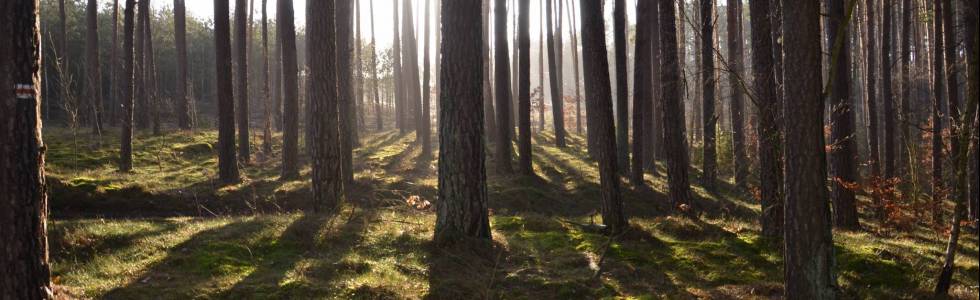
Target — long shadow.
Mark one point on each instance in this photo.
(81, 255)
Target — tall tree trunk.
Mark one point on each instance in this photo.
(378, 115)
(358, 107)
(345, 89)
(572, 29)
(62, 51)
(502, 73)
(491, 122)
(425, 128)
(142, 116)
(93, 67)
(290, 87)
(266, 96)
(769, 130)
(709, 157)
(843, 145)
(874, 162)
(906, 141)
(399, 80)
(599, 101)
(23, 202)
(126, 101)
(736, 62)
(952, 69)
(180, 36)
(809, 252)
(322, 30)
(112, 111)
(938, 186)
(410, 68)
(673, 109)
(241, 76)
(653, 113)
(513, 72)
(541, 71)
(886, 89)
(969, 15)
(642, 99)
(461, 211)
(622, 86)
(558, 113)
(150, 72)
(227, 162)
(524, 88)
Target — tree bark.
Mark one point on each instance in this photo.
(112, 111)
(142, 116)
(622, 86)
(809, 253)
(843, 145)
(322, 30)
(23, 202)
(502, 73)
(410, 71)
(345, 89)
(906, 141)
(952, 69)
(541, 71)
(150, 72)
(874, 162)
(491, 122)
(93, 67)
(241, 76)
(599, 101)
(709, 157)
(524, 89)
(736, 61)
(400, 109)
(673, 109)
(128, 74)
(180, 37)
(461, 210)
(227, 162)
(558, 118)
(290, 103)
(886, 89)
(938, 184)
(379, 120)
(572, 29)
(425, 128)
(266, 96)
(357, 109)
(769, 129)
(642, 99)
(969, 15)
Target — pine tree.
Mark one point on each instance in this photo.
(128, 74)
(290, 87)
(241, 78)
(558, 112)
(524, 88)
(642, 89)
(345, 89)
(321, 28)
(502, 80)
(769, 129)
(94, 80)
(844, 147)
(227, 161)
(736, 61)
(180, 37)
(673, 109)
(709, 158)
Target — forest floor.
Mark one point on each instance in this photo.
(169, 230)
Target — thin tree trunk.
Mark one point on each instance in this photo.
(461, 211)
(952, 69)
(886, 89)
(358, 78)
(399, 81)
(128, 74)
(424, 126)
(641, 87)
(322, 32)
(266, 96)
(874, 161)
(290, 103)
(599, 101)
(150, 72)
(653, 118)
(709, 157)
(227, 162)
(969, 14)
(23, 202)
(524, 89)
(938, 186)
(673, 109)
(241, 76)
(347, 117)
(541, 71)
(93, 66)
(573, 27)
(142, 117)
(410, 70)
(112, 111)
(558, 118)
(502, 73)
(736, 62)
(378, 115)
(180, 36)
(622, 86)
(843, 145)
(769, 130)
(491, 122)
(809, 252)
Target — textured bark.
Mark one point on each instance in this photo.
(142, 117)
(227, 162)
(491, 121)
(906, 141)
(93, 66)
(938, 185)
(23, 202)
(266, 96)
(180, 36)
(886, 90)
(769, 129)
(558, 112)
(952, 68)
(642, 99)
(709, 157)
(572, 30)
(345, 89)
(970, 11)
(599, 102)
(396, 50)
(653, 119)
(357, 110)
(126, 100)
(673, 109)
(524, 89)
(290, 90)
(112, 109)
(622, 90)
(241, 78)
(322, 29)
(736, 61)
(425, 128)
(461, 210)
(844, 147)
(410, 70)
(809, 253)
(502, 73)
(150, 72)
(378, 118)
(874, 161)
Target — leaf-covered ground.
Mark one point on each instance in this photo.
(169, 230)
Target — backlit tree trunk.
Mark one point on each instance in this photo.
(227, 162)
(769, 131)
(642, 89)
(809, 253)
(180, 37)
(598, 97)
(126, 86)
(502, 78)
(266, 96)
(843, 145)
(23, 203)
(938, 185)
(345, 89)
(399, 80)
(112, 111)
(622, 86)
(709, 158)
(379, 120)
(736, 62)
(572, 30)
(424, 126)
(675, 146)
(93, 67)
(328, 185)
(461, 210)
(874, 161)
(524, 88)
(290, 89)
(241, 76)
(887, 100)
(491, 121)
(558, 113)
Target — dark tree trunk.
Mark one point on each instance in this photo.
(227, 162)
(241, 77)
(378, 115)
(425, 128)
(357, 110)
(541, 71)
(952, 68)
(622, 86)
(491, 121)
(969, 12)
(61, 50)
(874, 162)
(843, 145)
(396, 51)
(809, 252)
(150, 72)
(345, 89)
(112, 111)
(93, 66)
(653, 113)
(142, 117)
(938, 185)
(642, 89)
(906, 141)
(573, 29)
(266, 96)
(328, 185)
(769, 129)
(524, 89)
(23, 202)
(461, 210)
(558, 112)
(675, 146)
(502, 78)
(290, 88)
(180, 36)
(886, 90)
(599, 102)
(709, 157)
(410, 68)
(126, 101)
(736, 62)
